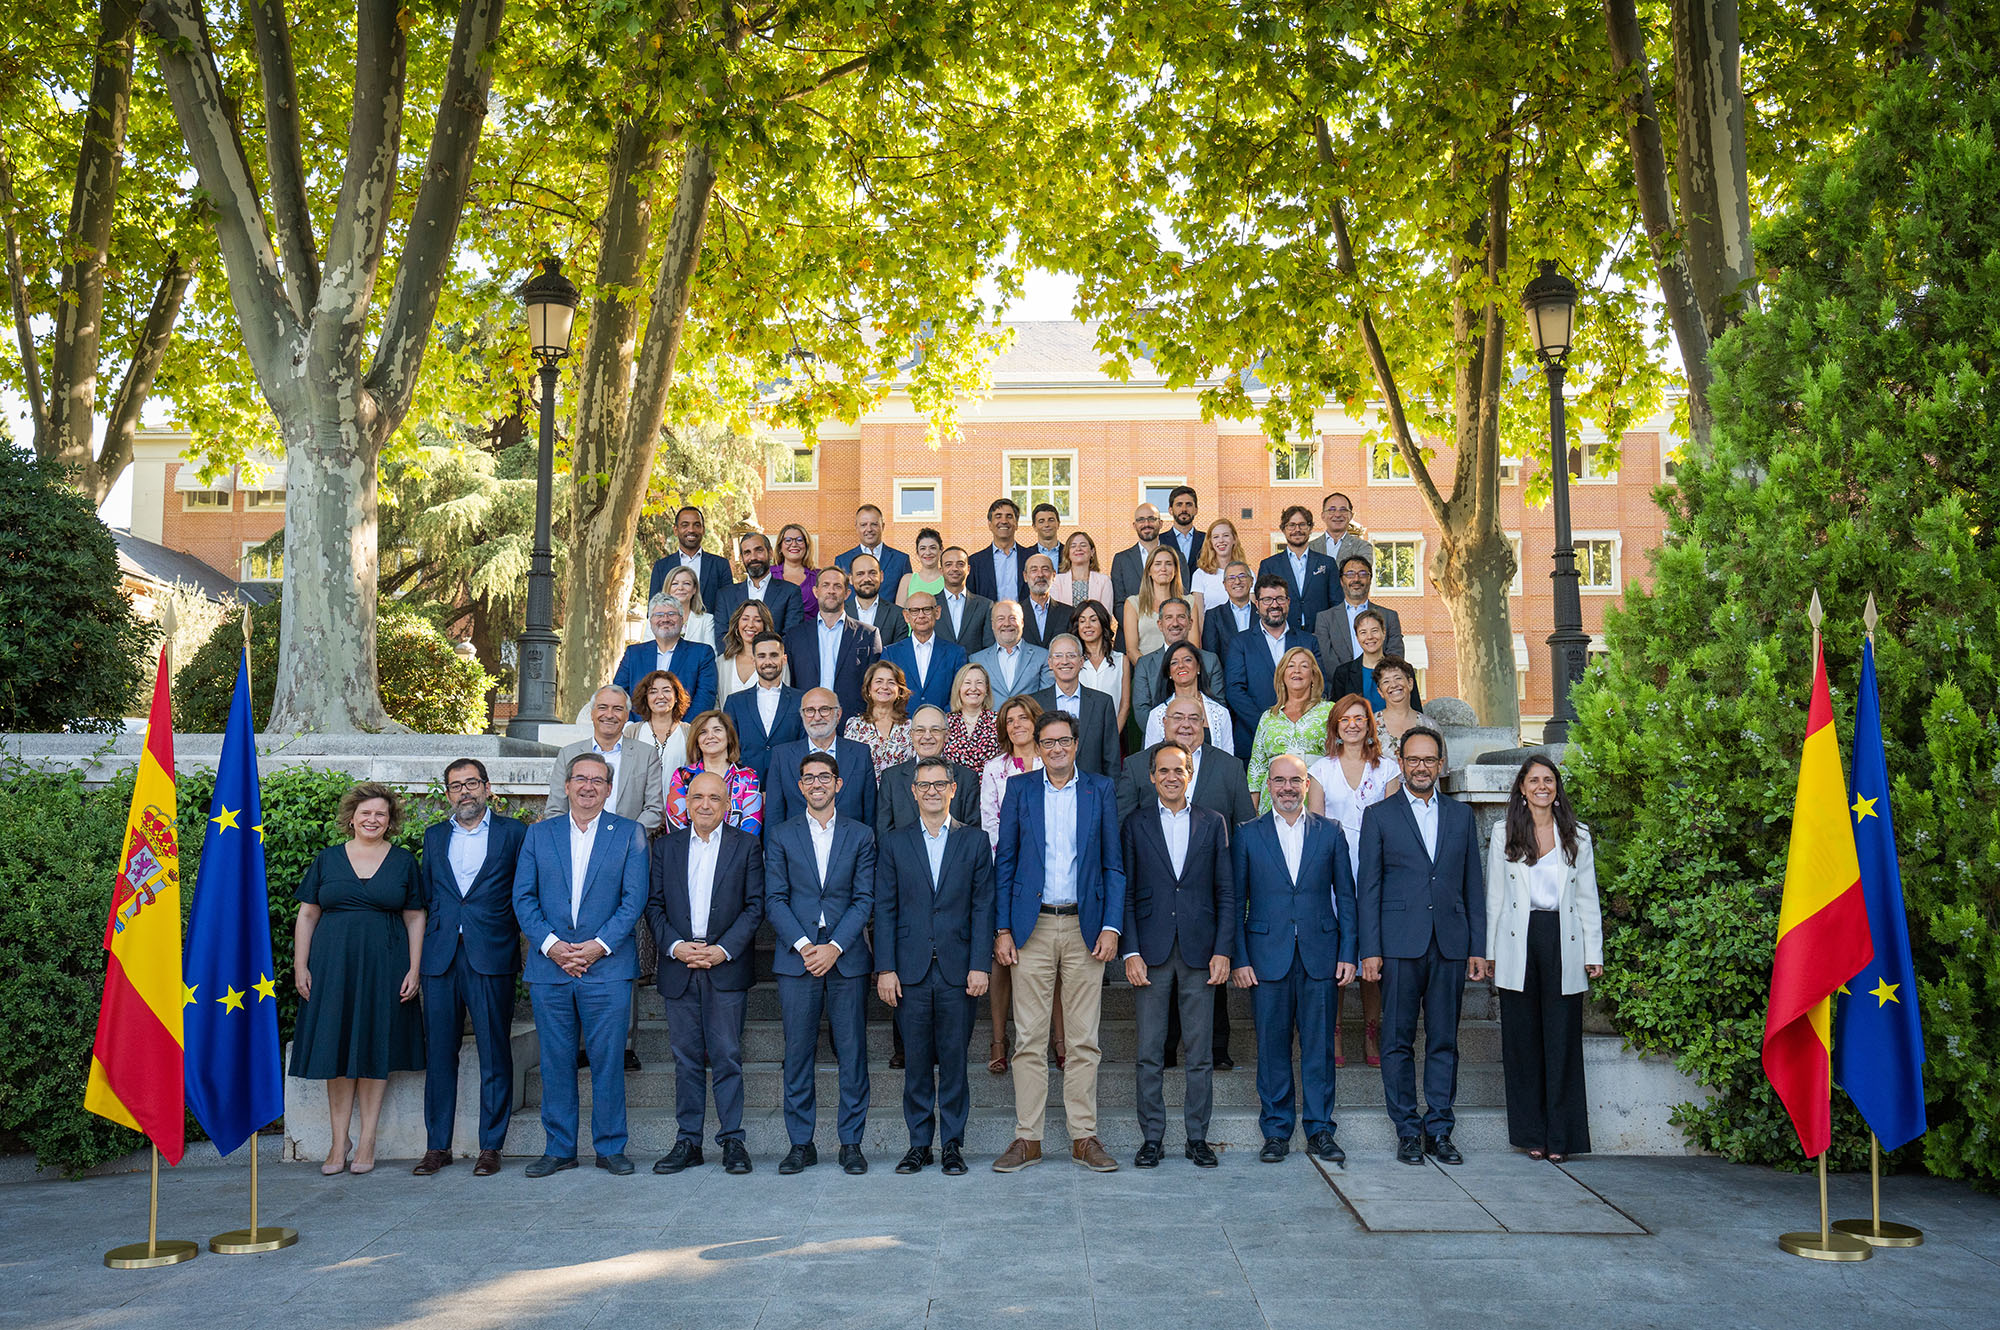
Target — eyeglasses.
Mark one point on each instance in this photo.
(791, 540)
(1409, 761)
(819, 711)
(817, 778)
(931, 786)
(1066, 741)
(913, 610)
(466, 786)
(1236, 577)
(590, 782)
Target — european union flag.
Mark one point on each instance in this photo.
(1878, 1036)
(235, 1079)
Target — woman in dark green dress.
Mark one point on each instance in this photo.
(355, 961)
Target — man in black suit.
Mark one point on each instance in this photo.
(1238, 614)
(866, 602)
(760, 583)
(1309, 577)
(1422, 902)
(706, 901)
(1183, 506)
(934, 921)
(832, 650)
(472, 956)
(1096, 718)
(767, 715)
(963, 617)
(711, 571)
(819, 716)
(998, 572)
(1128, 566)
(1180, 921)
(1042, 618)
(895, 794)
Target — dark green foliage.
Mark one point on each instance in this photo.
(69, 644)
(1857, 449)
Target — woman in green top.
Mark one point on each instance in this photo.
(928, 575)
(1297, 725)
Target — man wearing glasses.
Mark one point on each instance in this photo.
(819, 713)
(1334, 629)
(1238, 614)
(1249, 671)
(1422, 898)
(929, 663)
(1061, 889)
(896, 803)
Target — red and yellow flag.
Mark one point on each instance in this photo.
(1823, 936)
(136, 1064)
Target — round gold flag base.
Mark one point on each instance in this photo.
(1883, 1234)
(139, 1256)
(1834, 1247)
(243, 1241)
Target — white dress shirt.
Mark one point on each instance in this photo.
(867, 613)
(920, 652)
(1174, 826)
(611, 756)
(1426, 813)
(1276, 645)
(822, 839)
(1059, 836)
(663, 656)
(581, 841)
(829, 648)
(467, 852)
(756, 590)
(1292, 840)
(767, 705)
(703, 856)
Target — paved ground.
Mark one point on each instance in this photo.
(1691, 1244)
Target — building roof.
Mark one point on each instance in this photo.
(157, 564)
(1059, 351)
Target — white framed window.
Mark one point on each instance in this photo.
(1399, 565)
(266, 500)
(1510, 470)
(1670, 464)
(1520, 667)
(205, 501)
(1295, 463)
(1032, 478)
(1514, 588)
(1157, 489)
(919, 500)
(1588, 468)
(1597, 562)
(261, 567)
(1386, 465)
(795, 469)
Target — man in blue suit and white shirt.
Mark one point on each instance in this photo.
(472, 954)
(819, 891)
(693, 663)
(711, 571)
(1000, 571)
(928, 662)
(934, 916)
(1295, 944)
(1251, 666)
(766, 716)
(868, 531)
(1180, 929)
(1309, 577)
(819, 713)
(1423, 925)
(1013, 665)
(706, 901)
(760, 583)
(832, 650)
(579, 890)
(1060, 884)
(1223, 623)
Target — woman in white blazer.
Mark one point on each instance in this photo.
(1546, 938)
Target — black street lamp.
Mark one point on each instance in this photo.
(1550, 303)
(551, 299)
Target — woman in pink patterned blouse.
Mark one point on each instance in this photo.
(885, 723)
(717, 749)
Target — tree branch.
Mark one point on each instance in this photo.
(155, 336)
(604, 382)
(17, 283)
(355, 241)
(833, 75)
(284, 158)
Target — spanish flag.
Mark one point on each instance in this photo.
(1822, 931)
(136, 1064)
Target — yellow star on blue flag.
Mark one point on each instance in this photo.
(1884, 991)
(233, 999)
(226, 820)
(1863, 808)
(266, 987)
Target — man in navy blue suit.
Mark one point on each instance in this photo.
(706, 901)
(1180, 929)
(579, 889)
(1000, 571)
(819, 713)
(472, 953)
(819, 890)
(760, 583)
(767, 715)
(833, 649)
(1223, 623)
(1295, 943)
(929, 663)
(693, 663)
(1252, 663)
(1060, 885)
(711, 571)
(934, 916)
(868, 531)
(1309, 576)
(1423, 925)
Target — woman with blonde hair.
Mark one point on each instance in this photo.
(1160, 583)
(1216, 552)
(972, 734)
(1295, 724)
(1351, 776)
(699, 625)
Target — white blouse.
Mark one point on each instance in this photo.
(1546, 878)
(1108, 678)
(1220, 732)
(1345, 803)
(993, 789)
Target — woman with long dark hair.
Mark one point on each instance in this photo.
(1546, 939)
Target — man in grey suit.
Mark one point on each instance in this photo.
(1128, 566)
(1334, 629)
(635, 771)
(867, 603)
(1013, 665)
(1096, 718)
(964, 616)
(1336, 541)
(1176, 621)
(896, 803)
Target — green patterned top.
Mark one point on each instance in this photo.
(1278, 734)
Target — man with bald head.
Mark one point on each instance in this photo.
(895, 798)
(819, 713)
(706, 901)
(1013, 665)
(1042, 618)
(1128, 569)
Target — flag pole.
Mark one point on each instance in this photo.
(154, 1251)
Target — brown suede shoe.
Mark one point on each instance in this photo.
(488, 1165)
(1090, 1154)
(432, 1161)
(1018, 1156)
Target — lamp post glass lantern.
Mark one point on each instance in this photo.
(551, 299)
(1550, 306)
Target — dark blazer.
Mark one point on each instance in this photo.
(889, 625)
(782, 598)
(1060, 618)
(1406, 896)
(975, 629)
(896, 799)
(859, 646)
(1282, 919)
(693, 663)
(1020, 864)
(782, 800)
(1193, 555)
(482, 920)
(1097, 729)
(1128, 567)
(1219, 786)
(735, 907)
(1246, 679)
(980, 580)
(950, 922)
(757, 743)
(1321, 589)
(1336, 644)
(947, 659)
(1194, 913)
(712, 577)
(895, 567)
(795, 898)
(614, 896)
(1345, 678)
(1218, 629)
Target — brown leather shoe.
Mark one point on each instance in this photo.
(488, 1165)
(1090, 1153)
(1018, 1156)
(432, 1161)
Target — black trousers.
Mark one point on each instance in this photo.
(1541, 1050)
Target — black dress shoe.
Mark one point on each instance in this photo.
(1202, 1154)
(1441, 1149)
(1323, 1145)
(548, 1164)
(1223, 1062)
(799, 1158)
(1410, 1150)
(896, 1060)
(853, 1161)
(735, 1157)
(954, 1161)
(617, 1166)
(631, 1060)
(685, 1154)
(1274, 1151)
(913, 1160)
(1149, 1155)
